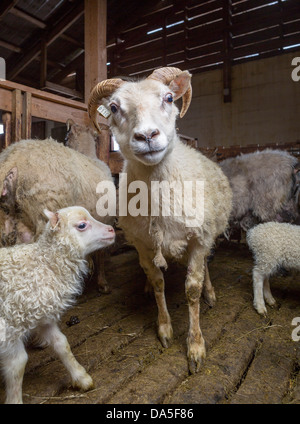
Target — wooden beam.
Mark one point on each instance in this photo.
(23, 15)
(43, 68)
(63, 90)
(27, 118)
(227, 49)
(16, 115)
(6, 119)
(95, 43)
(52, 34)
(10, 46)
(6, 6)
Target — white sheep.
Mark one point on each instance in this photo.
(274, 245)
(81, 138)
(44, 174)
(38, 282)
(142, 120)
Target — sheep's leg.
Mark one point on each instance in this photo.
(156, 279)
(267, 293)
(208, 290)
(193, 288)
(13, 366)
(51, 334)
(258, 284)
(100, 258)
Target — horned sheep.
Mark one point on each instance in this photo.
(39, 174)
(274, 245)
(143, 116)
(38, 282)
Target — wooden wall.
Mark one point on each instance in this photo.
(265, 106)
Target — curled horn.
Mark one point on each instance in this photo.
(102, 89)
(166, 75)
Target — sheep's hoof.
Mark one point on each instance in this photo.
(262, 310)
(210, 298)
(104, 289)
(196, 354)
(83, 383)
(165, 334)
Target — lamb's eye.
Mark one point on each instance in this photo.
(81, 226)
(168, 98)
(113, 108)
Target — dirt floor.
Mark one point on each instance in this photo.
(250, 359)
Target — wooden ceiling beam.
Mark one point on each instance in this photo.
(23, 15)
(6, 6)
(10, 46)
(51, 34)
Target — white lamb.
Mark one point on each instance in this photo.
(38, 282)
(274, 245)
(143, 116)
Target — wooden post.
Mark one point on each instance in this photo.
(103, 144)
(95, 60)
(43, 69)
(227, 48)
(16, 115)
(26, 124)
(6, 119)
(94, 43)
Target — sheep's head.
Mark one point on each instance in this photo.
(142, 114)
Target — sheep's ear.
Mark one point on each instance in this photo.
(53, 217)
(180, 84)
(10, 181)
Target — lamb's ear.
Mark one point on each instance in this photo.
(180, 84)
(53, 217)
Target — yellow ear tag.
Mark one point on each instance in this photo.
(103, 111)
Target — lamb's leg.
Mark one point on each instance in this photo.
(258, 283)
(193, 288)
(267, 293)
(100, 258)
(58, 341)
(13, 366)
(156, 279)
(208, 290)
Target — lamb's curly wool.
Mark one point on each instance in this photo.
(274, 245)
(38, 282)
(50, 176)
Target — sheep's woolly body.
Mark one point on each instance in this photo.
(143, 123)
(274, 245)
(182, 164)
(52, 176)
(38, 282)
(262, 184)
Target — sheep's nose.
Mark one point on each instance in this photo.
(110, 229)
(146, 136)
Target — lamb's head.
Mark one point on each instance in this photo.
(74, 225)
(142, 114)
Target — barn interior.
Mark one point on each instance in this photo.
(242, 55)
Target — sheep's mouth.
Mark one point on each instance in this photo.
(150, 152)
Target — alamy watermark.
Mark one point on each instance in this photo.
(2, 69)
(296, 71)
(162, 198)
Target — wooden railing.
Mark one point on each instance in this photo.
(20, 103)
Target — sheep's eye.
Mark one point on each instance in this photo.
(114, 108)
(81, 226)
(168, 98)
